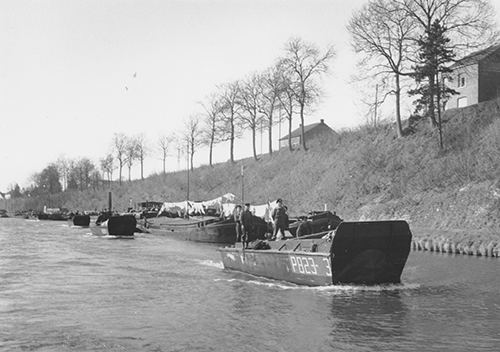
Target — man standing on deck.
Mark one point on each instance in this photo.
(280, 219)
(237, 220)
(246, 224)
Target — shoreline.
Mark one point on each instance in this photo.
(463, 242)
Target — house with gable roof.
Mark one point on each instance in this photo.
(476, 78)
(312, 131)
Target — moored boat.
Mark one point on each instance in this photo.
(79, 220)
(206, 229)
(355, 253)
(117, 226)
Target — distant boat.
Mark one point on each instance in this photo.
(80, 220)
(52, 214)
(117, 226)
(355, 253)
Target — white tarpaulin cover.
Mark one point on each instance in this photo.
(199, 207)
(264, 211)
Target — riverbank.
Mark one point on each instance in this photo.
(363, 174)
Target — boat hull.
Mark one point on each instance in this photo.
(206, 229)
(365, 253)
(312, 269)
(121, 226)
(210, 233)
(79, 220)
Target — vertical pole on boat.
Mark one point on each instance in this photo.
(187, 196)
(242, 186)
(110, 202)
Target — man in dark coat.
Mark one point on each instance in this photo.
(280, 219)
(246, 224)
(237, 220)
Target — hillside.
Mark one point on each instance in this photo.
(366, 174)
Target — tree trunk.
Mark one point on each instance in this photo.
(290, 147)
(192, 156)
(129, 173)
(142, 168)
(432, 108)
(270, 134)
(253, 144)
(121, 167)
(211, 150)
(164, 170)
(398, 107)
(302, 139)
(439, 122)
(232, 141)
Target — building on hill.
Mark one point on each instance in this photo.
(476, 78)
(312, 131)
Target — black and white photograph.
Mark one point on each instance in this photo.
(249, 175)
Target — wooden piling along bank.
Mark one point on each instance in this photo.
(445, 245)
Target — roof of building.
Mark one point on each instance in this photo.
(477, 56)
(307, 128)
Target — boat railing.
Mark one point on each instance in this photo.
(315, 235)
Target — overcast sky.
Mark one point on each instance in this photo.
(67, 70)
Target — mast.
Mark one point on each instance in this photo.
(187, 165)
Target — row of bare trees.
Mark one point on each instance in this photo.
(291, 86)
(388, 35)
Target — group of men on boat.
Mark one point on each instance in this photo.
(245, 222)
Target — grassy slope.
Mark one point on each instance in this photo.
(366, 174)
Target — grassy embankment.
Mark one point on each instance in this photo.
(451, 198)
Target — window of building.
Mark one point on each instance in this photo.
(461, 102)
(461, 81)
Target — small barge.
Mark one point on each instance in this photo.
(79, 220)
(364, 253)
(206, 229)
(117, 226)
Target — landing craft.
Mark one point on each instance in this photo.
(365, 253)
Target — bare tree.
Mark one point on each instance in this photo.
(229, 114)
(164, 143)
(211, 123)
(63, 166)
(142, 151)
(107, 167)
(249, 100)
(192, 137)
(305, 64)
(131, 155)
(287, 103)
(120, 147)
(383, 33)
(270, 90)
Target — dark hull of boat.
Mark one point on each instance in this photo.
(121, 226)
(80, 220)
(55, 217)
(358, 253)
(211, 233)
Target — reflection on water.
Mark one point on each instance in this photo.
(65, 290)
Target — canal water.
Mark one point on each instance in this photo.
(62, 289)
